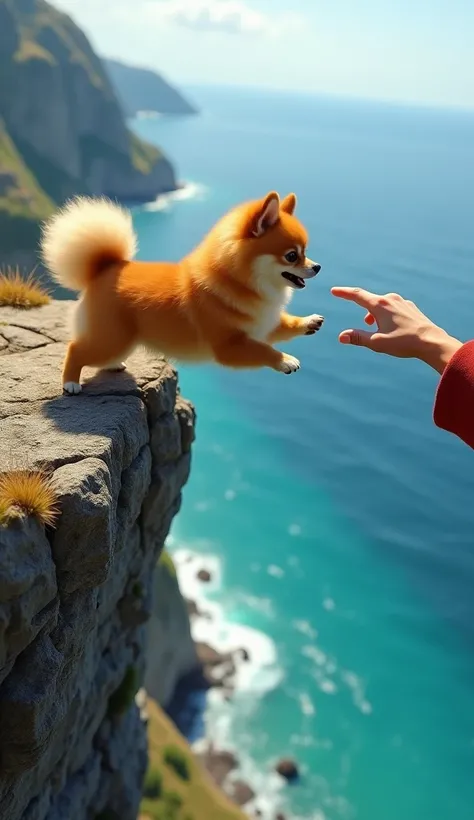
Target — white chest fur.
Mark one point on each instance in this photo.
(267, 319)
(267, 277)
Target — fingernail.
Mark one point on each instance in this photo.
(345, 339)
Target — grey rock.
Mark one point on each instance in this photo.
(87, 517)
(51, 321)
(187, 421)
(28, 590)
(166, 439)
(19, 338)
(29, 708)
(75, 602)
(134, 486)
(172, 652)
(160, 394)
(240, 792)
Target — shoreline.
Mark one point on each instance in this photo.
(238, 666)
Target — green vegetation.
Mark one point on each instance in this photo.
(166, 562)
(153, 785)
(46, 24)
(29, 50)
(144, 156)
(121, 700)
(137, 589)
(178, 761)
(20, 193)
(194, 798)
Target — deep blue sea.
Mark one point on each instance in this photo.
(339, 522)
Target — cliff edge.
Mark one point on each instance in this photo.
(140, 89)
(75, 600)
(62, 130)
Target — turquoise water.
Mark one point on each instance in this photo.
(342, 520)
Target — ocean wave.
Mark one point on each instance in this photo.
(261, 673)
(189, 190)
(256, 677)
(226, 720)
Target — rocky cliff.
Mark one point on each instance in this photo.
(140, 89)
(75, 599)
(62, 130)
(172, 653)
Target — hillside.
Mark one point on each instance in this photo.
(174, 796)
(140, 89)
(62, 129)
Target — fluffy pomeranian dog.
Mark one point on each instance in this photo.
(224, 302)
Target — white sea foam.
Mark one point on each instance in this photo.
(189, 190)
(226, 720)
(261, 673)
(254, 678)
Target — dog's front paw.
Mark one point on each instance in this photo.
(289, 364)
(72, 388)
(313, 324)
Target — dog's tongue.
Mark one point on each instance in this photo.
(300, 282)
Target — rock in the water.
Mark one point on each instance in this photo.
(192, 607)
(240, 792)
(218, 668)
(288, 769)
(219, 763)
(204, 575)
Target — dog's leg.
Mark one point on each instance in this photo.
(292, 326)
(72, 369)
(245, 352)
(93, 353)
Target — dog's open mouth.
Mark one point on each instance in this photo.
(296, 281)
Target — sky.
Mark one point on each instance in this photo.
(415, 51)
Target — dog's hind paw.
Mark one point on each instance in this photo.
(72, 388)
(289, 364)
(115, 367)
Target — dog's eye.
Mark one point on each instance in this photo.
(291, 257)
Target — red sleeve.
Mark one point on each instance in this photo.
(454, 405)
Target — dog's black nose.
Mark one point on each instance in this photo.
(316, 268)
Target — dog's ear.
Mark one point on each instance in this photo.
(266, 214)
(288, 204)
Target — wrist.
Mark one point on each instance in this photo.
(438, 348)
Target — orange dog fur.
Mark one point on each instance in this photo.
(224, 302)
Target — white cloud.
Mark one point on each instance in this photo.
(229, 16)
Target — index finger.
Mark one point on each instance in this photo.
(361, 297)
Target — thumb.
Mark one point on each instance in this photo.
(361, 338)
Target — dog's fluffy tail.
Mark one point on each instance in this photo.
(84, 238)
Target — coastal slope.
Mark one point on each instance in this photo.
(62, 129)
(140, 89)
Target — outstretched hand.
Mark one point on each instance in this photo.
(402, 330)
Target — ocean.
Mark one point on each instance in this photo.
(337, 521)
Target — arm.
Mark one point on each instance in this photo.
(454, 405)
(403, 331)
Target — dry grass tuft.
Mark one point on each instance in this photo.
(19, 292)
(28, 493)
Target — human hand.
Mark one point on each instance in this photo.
(402, 329)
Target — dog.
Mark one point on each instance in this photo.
(224, 302)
